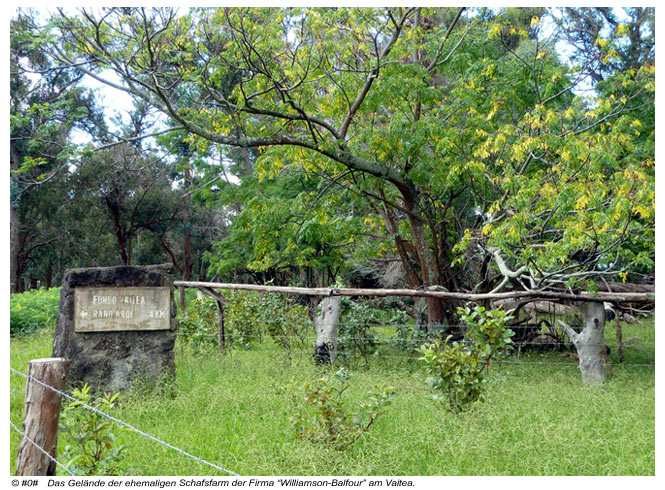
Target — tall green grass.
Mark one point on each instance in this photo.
(539, 418)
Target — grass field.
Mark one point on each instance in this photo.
(539, 419)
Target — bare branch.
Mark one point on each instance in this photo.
(572, 334)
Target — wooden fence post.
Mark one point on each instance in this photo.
(221, 333)
(42, 413)
(619, 333)
(221, 301)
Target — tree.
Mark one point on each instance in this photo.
(461, 126)
(132, 190)
(586, 208)
(46, 105)
(196, 223)
(589, 30)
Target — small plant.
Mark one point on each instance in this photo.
(326, 419)
(456, 369)
(487, 328)
(90, 438)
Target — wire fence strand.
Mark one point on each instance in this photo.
(39, 448)
(125, 424)
(416, 357)
(391, 340)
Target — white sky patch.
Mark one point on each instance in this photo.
(117, 102)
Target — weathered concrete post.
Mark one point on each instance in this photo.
(326, 330)
(117, 325)
(590, 343)
(42, 413)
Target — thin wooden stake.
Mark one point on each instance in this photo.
(42, 413)
(221, 333)
(620, 349)
(221, 301)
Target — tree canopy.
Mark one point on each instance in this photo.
(459, 142)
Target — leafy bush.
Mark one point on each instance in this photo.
(457, 369)
(243, 319)
(248, 317)
(33, 310)
(325, 419)
(287, 322)
(199, 327)
(242, 323)
(355, 334)
(90, 438)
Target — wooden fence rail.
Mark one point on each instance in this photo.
(330, 332)
(624, 297)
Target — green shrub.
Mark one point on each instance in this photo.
(89, 437)
(243, 319)
(287, 322)
(242, 322)
(457, 369)
(355, 336)
(33, 310)
(325, 419)
(248, 317)
(199, 327)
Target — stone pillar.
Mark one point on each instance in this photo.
(117, 325)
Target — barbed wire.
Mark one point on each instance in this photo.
(416, 357)
(395, 341)
(122, 422)
(374, 324)
(401, 340)
(569, 364)
(39, 448)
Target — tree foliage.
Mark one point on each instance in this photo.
(47, 104)
(458, 140)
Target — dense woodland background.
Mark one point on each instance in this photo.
(468, 149)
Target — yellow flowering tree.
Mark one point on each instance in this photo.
(459, 131)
